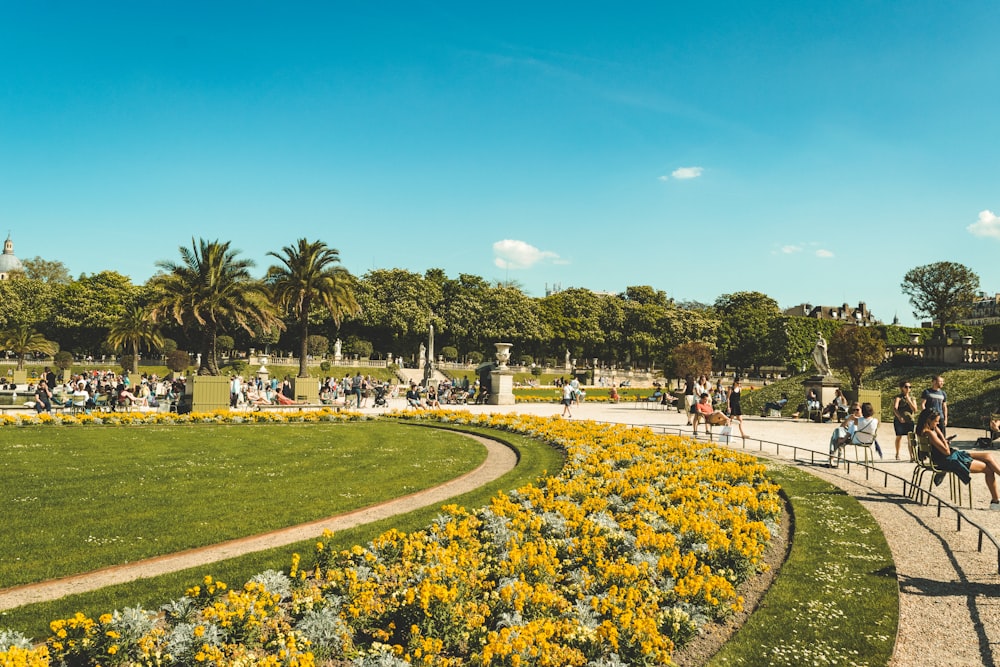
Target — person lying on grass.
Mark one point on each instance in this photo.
(957, 461)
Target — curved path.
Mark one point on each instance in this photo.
(949, 591)
(499, 460)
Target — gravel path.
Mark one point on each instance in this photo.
(949, 591)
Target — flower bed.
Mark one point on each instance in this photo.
(616, 560)
(213, 417)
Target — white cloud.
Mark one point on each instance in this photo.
(790, 249)
(664, 178)
(823, 253)
(685, 173)
(511, 254)
(987, 225)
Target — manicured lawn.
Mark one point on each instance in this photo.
(535, 459)
(80, 498)
(836, 599)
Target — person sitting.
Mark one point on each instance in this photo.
(958, 461)
(837, 406)
(326, 395)
(704, 412)
(775, 405)
(432, 398)
(43, 398)
(125, 395)
(843, 433)
(413, 397)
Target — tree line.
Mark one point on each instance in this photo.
(306, 299)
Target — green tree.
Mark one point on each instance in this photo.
(943, 291)
(63, 360)
(178, 361)
(317, 345)
(225, 344)
(310, 274)
(23, 339)
(397, 309)
(211, 287)
(644, 323)
(26, 300)
(84, 310)
(133, 330)
(573, 317)
(692, 358)
(744, 339)
(46, 270)
(854, 350)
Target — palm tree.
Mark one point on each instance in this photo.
(212, 288)
(22, 339)
(133, 329)
(310, 274)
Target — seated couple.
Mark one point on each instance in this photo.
(702, 411)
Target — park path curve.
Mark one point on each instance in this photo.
(499, 460)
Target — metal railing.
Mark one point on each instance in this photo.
(803, 455)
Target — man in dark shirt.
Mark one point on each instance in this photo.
(936, 399)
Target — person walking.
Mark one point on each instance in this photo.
(567, 399)
(735, 409)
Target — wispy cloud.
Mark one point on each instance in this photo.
(512, 254)
(822, 252)
(987, 225)
(789, 249)
(686, 173)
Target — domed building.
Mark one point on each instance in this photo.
(8, 262)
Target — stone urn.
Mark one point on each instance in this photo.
(914, 339)
(503, 354)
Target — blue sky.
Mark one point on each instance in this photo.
(812, 151)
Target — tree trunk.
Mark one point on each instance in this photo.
(304, 347)
(135, 357)
(209, 364)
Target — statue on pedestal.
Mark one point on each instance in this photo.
(820, 358)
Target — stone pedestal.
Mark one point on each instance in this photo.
(501, 387)
(826, 387)
(306, 390)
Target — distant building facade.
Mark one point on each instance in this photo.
(8, 262)
(985, 310)
(843, 313)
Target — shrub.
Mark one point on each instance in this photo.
(325, 366)
(449, 353)
(317, 346)
(63, 360)
(178, 361)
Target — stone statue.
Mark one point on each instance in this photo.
(423, 356)
(337, 349)
(820, 359)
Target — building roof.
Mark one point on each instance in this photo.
(8, 262)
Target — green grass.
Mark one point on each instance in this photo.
(78, 499)
(835, 601)
(534, 460)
